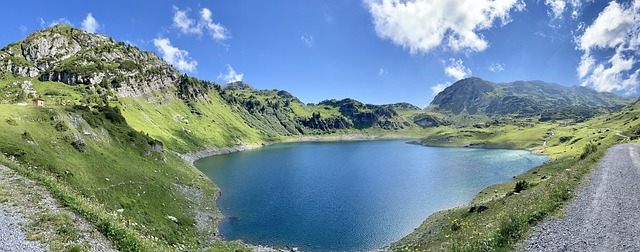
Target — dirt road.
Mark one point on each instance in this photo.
(604, 216)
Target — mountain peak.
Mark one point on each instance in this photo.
(463, 95)
(238, 85)
(476, 96)
(73, 56)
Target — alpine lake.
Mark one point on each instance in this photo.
(349, 196)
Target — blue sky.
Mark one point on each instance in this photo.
(375, 51)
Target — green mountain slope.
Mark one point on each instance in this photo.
(483, 99)
(118, 121)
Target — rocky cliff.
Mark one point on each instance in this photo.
(61, 53)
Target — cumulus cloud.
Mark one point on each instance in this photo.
(456, 69)
(187, 25)
(231, 75)
(439, 87)
(557, 8)
(90, 24)
(175, 56)
(422, 25)
(496, 67)
(610, 48)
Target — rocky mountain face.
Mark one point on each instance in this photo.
(475, 96)
(238, 85)
(61, 53)
(108, 69)
(368, 115)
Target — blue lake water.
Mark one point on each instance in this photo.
(349, 196)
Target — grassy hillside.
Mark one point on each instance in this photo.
(120, 154)
(513, 207)
(113, 167)
(116, 120)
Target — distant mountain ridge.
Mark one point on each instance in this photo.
(475, 96)
(112, 70)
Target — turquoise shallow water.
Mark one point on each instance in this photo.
(349, 196)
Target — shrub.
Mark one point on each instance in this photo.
(74, 248)
(112, 114)
(54, 93)
(27, 136)
(129, 66)
(79, 145)
(509, 231)
(194, 109)
(81, 107)
(93, 119)
(565, 139)
(521, 186)
(11, 122)
(61, 126)
(11, 151)
(588, 149)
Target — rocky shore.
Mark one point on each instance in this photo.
(191, 157)
(213, 151)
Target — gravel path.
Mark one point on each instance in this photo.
(605, 213)
(12, 238)
(26, 210)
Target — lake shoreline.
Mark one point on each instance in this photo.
(193, 156)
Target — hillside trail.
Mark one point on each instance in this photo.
(604, 214)
(32, 220)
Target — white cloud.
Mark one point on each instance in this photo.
(542, 34)
(610, 49)
(90, 24)
(184, 23)
(308, 40)
(217, 31)
(174, 56)
(609, 29)
(496, 67)
(188, 25)
(63, 20)
(60, 21)
(456, 69)
(382, 71)
(440, 87)
(557, 8)
(231, 75)
(422, 25)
